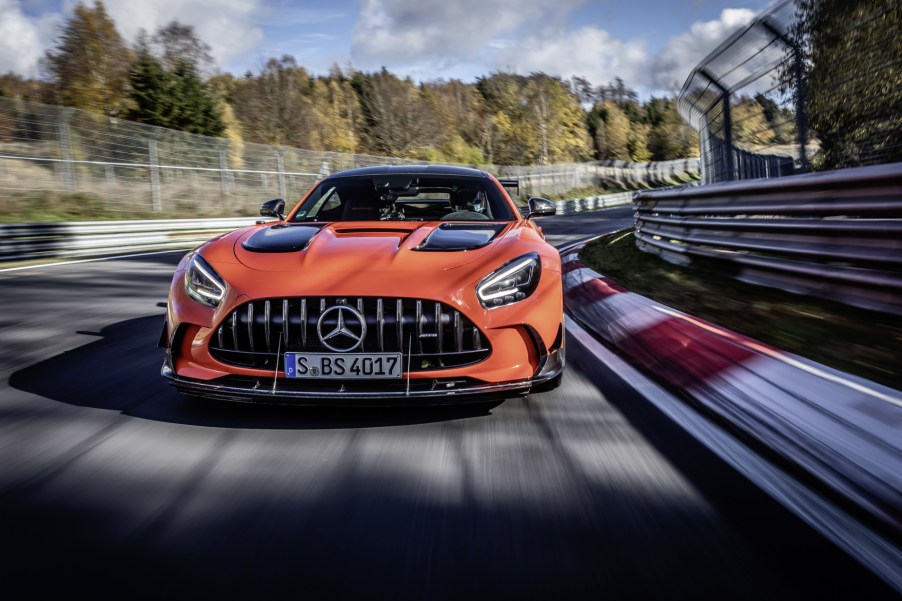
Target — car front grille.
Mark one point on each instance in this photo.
(428, 334)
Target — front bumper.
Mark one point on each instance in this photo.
(275, 391)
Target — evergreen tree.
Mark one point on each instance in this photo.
(194, 109)
(150, 88)
(175, 98)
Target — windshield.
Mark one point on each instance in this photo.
(405, 198)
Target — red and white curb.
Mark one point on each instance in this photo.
(844, 431)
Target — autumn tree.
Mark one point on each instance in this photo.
(559, 119)
(274, 107)
(750, 127)
(337, 111)
(637, 143)
(15, 86)
(670, 137)
(508, 142)
(398, 118)
(781, 120)
(462, 110)
(88, 68)
(610, 130)
(176, 42)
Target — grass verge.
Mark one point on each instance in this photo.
(856, 341)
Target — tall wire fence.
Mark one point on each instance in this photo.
(718, 99)
(767, 103)
(137, 168)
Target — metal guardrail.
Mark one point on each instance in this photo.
(29, 241)
(592, 203)
(836, 235)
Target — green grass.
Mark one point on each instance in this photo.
(856, 341)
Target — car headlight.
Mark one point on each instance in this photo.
(513, 282)
(202, 283)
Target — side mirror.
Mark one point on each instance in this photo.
(273, 208)
(540, 207)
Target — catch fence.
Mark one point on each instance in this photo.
(142, 169)
(803, 86)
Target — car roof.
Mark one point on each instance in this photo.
(411, 170)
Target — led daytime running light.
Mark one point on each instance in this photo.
(511, 283)
(210, 289)
(213, 281)
(501, 277)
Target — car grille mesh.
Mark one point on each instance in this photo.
(430, 334)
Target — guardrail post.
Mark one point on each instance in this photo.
(155, 200)
(280, 167)
(68, 170)
(223, 184)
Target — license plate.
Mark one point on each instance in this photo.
(342, 365)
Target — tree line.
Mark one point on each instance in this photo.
(168, 78)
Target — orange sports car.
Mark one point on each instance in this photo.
(384, 285)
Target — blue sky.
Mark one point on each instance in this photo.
(651, 44)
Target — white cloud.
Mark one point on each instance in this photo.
(228, 26)
(430, 40)
(587, 52)
(685, 51)
(391, 30)
(23, 39)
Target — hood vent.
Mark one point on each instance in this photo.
(460, 236)
(281, 238)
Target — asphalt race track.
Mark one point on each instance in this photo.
(111, 484)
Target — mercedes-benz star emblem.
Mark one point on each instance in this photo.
(342, 336)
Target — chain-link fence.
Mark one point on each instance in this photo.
(138, 168)
(724, 96)
(800, 84)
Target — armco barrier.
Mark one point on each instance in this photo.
(836, 234)
(26, 241)
(840, 431)
(592, 203)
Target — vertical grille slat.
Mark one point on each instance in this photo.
(445, 337)
(285, 323)
(380, 321)
(250, 325)
(419, 322)
(399, 319)
(303, 323)
(439, 347)
(267, 319)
